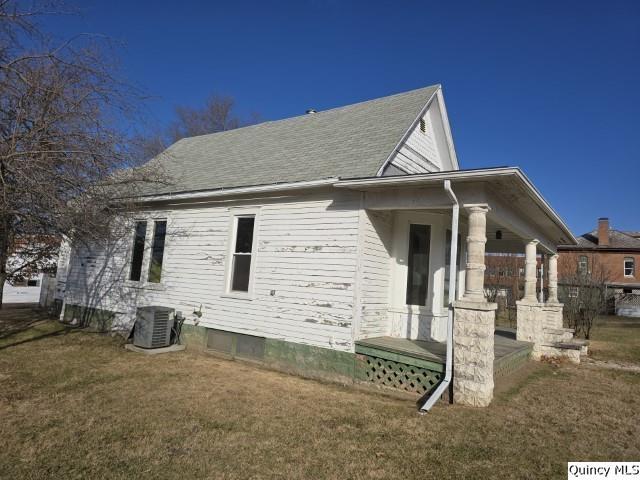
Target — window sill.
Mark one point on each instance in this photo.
(412, 309)
(238, 296)
(158, 287)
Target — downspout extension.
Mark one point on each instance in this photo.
(453, 273)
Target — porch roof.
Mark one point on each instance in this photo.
(516, 205)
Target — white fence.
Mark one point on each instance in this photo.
(627, 304)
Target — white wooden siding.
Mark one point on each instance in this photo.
(419, 152)
(15, 294)
(428, 151)
(305, 261)
(375, 274)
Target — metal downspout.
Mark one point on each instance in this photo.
(453, 273)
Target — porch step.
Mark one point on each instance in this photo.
(573, 344)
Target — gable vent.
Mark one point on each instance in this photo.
(423, 125)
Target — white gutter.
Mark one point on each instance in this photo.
(226, 192)
(453, 273)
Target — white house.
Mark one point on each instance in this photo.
(324, 244)
(28, 290)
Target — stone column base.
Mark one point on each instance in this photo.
(541, 324)
(530, 321)
(473, 353)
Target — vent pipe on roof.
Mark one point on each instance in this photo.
(311, 111)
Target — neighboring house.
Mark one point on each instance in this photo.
(505, 274)
(323, 245)
(613, 255)
(27, 290)
(37, 285)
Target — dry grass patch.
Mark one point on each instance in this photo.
(79, 406)
(616, 339)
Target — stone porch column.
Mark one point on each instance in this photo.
(476, 240)
(531, 314)
(474, 323)
(530, 271)
(553, 278)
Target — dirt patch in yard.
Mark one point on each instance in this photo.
(80, 406)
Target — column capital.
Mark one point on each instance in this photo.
(533, 241)
(477, 207)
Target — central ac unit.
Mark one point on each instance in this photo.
(153, 327)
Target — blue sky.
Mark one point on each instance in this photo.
(550, 86)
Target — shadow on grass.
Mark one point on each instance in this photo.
(36, 331)
(15, 320)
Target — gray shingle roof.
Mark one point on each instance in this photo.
(351, 141)
(617, 239)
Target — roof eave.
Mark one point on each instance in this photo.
(484, 174)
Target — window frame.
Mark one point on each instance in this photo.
(236, 214)
(429, 279)
(633, 267)
(151, 241)
(582, 271)
(142, 277)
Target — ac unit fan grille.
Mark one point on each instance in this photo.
(160, 326)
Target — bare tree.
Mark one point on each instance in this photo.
(218, 114)
(64, 159)
(503, 282)
(583, 290)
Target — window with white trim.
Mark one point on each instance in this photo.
(242, 254)
(157, 251)
(629, 267)
(583, 265)
(137, 254)
(418, 264)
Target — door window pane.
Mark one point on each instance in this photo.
(157, 251)
(138, 251)
(418, 264)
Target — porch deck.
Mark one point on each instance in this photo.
(509, 352)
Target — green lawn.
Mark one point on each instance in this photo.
(77, 405)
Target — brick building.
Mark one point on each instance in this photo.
(614, 252)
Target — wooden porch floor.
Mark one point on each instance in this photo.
(505, 347)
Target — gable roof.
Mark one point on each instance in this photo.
(617, 240)
(344, 142)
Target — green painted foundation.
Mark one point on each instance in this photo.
(95, 319)
(194, 337)
(309, 361)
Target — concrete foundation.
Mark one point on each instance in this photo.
(154, 351)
